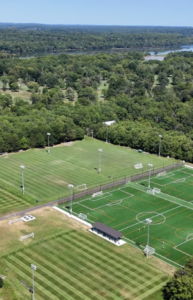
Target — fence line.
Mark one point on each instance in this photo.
(119, 182)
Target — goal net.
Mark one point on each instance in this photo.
(161, 174)
(149, 191)
(156, 190)
(97, 194)
(81, 187)
(149, 250)
(138, 166)
(82, 216)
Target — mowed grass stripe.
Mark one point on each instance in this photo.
(118, 259)
(111, 266)
(93, 267)
(143, 286)
(103, 270)
(27, 276)
(86, 281)
(49, 283)
(64, 282)
(73, 164)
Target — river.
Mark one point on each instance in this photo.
(159, 52)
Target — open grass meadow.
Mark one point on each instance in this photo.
(171, 210)
(72, 263)
(46, 177)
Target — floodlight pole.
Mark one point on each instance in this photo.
(71, 192)
(106, 133)
(22, 177)
(150, 166)
(160, 137)
(34, 268)
(48, 134)
(100, 153)
(148, 223)
(91, 133)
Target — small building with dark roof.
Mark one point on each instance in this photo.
(106, 231)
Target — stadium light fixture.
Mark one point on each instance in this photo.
(48, 134)
(100, 153)
(34, 268)
(149, 221)
(71, 192)
(150, 166)
(22, 177)
(160, 137)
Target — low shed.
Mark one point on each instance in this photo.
(107, 231)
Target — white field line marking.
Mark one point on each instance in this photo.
(156, 254)
(169, 260)
(102, 205)
(162, 197)
(162, 213)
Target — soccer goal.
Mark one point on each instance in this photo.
(156, 190)
(27, 236)
(97, 194)
(82, 216)
(81, 187)
(180, 180)
(149, 250)
(161, 174)
(138, 166)
(149, 191)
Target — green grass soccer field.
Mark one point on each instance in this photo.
(171, 210)
(46, 177)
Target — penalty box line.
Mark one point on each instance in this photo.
(169, 200)
(108, 204)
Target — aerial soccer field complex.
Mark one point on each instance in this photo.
(166, 199)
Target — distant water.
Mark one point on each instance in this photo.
(162, 51)
(180, 49)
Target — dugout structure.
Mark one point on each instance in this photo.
(106, 231)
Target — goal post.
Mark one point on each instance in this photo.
(156, 190)
(149, 250)
(151, 192)
(81, 187)
(97, 194)
(82, 216)
(161, 174)
(138, 166)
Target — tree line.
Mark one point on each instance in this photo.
(26, 41)
(145, 98)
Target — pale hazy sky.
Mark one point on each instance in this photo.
(98, 12)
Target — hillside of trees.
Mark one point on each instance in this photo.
(145, 98)
(23, 39)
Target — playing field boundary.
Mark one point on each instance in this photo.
(103, 187)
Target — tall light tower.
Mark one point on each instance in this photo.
(71, 192)
(91, 133)
(106, 133)
(160, 137)
(100, 153)
(34, 268)
(22, 177)
(148, 223)
(150, 166)
(48, 134)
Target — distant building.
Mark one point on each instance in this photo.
(108, 123)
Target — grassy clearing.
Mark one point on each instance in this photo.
(103, 85)
(127, 208)
(23, 93)
(47, 176)
(74, 264)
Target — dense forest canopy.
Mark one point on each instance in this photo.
(21, 39)
(69, 94)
